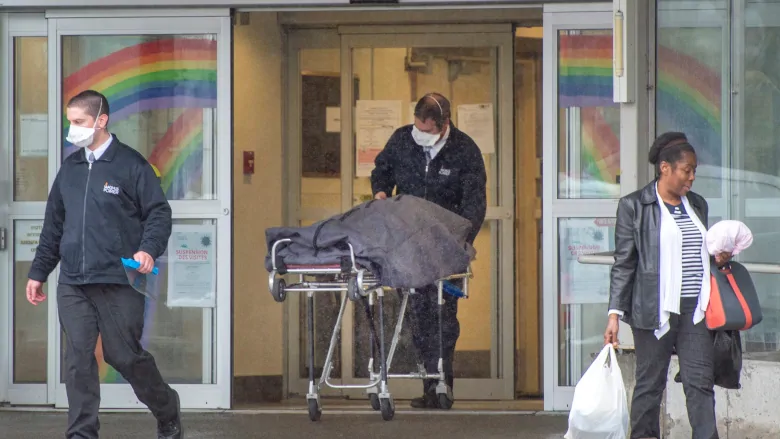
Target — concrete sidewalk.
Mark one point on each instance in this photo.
(279, 425)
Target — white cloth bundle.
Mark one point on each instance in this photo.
(728, 236)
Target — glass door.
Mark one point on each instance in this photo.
(167, 79)
(582, 163)
(26, 333)
(396, 66)
(314, 188)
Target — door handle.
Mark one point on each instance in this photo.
(2, 238)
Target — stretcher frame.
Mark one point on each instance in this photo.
(358, 283)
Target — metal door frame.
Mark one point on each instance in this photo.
(501, 37)
(572, 17)
(6, 195)
(17, 25)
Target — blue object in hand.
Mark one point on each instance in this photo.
(452, 290)
(132, 263)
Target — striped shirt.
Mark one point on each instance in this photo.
(692, 267)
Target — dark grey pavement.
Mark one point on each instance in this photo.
(249, 425)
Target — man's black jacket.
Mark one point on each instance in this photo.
(101, 213)
(455, 178)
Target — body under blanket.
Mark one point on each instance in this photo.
(406, 241)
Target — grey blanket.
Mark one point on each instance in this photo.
(406, 241)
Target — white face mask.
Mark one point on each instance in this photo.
(80, 136)
(83, 136)
(424, 139)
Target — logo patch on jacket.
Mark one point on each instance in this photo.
(107, 188)
(444, 172)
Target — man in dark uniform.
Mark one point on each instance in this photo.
(105, 204)
(432, 159)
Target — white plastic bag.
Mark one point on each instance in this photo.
(600, 409)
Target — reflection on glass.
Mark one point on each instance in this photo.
(162, 92)
(689, 96)
(465, 76)
(737, 148)
(174, 336)
(31, 107)
(589, 121)
(755, 167)
(583, 294)
(30, 323)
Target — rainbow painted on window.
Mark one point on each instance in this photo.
(585, 82)
(164, 74)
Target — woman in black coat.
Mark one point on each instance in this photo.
(660, 286)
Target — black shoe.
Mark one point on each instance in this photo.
(426, 401)
(171, 429)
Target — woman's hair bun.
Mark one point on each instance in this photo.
(668, 147)
(662, 141)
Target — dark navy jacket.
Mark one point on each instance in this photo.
(455, 178)
(98, 214)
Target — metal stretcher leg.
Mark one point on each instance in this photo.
(385, 399)
(398, 327)
(334, 338)
(313, 397)
(443, 391)
(373, 392)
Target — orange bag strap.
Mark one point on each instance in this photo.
(741, 298)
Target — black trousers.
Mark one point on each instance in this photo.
(694, 348)
(116, 312)
(424, 316)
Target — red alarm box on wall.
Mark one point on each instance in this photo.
(249, 162)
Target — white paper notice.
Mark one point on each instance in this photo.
(26, 237)
(476, 120)
(375, 122)
(333, 119)
(34, 135)
(192, 268)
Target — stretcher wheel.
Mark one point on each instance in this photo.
(315, 412)
(278, 290)
(353, 291)
(445, 402)
(373, 398)
(387, 408)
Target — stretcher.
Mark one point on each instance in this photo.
(359, 284)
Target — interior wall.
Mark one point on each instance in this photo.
(257, 126)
